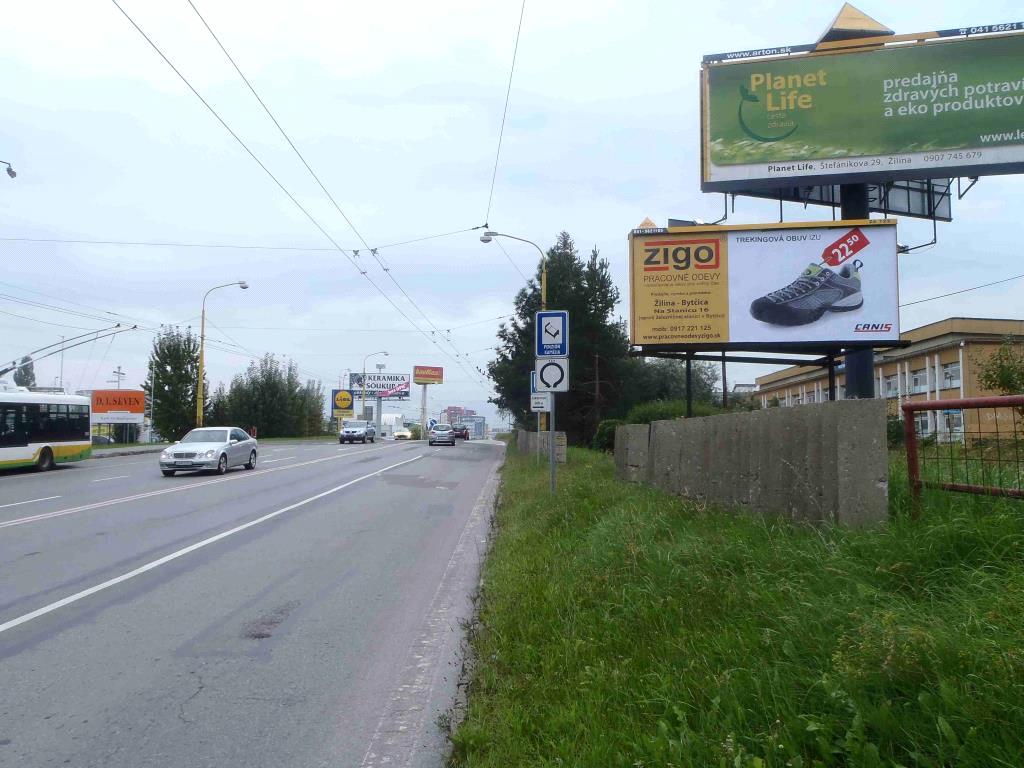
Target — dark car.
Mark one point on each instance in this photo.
(461, 431)
(102, 440)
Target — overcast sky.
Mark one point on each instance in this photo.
(397, 107)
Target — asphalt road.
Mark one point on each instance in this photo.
(306, 613)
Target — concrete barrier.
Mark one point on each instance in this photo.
(526, 442)
(819, 463)
(631, 441)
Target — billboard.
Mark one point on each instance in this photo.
(389, 386)
(764, 285)
(924, 110)
(118, 406)
(342, 405)
(427, 374)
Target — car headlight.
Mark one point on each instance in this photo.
(165, 455)
(208, 454)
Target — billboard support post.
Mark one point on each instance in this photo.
(860, 363)
(689, 386)
(423, 412)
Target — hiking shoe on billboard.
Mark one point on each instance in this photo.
(817, 291)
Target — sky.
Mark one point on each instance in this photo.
(397, 107)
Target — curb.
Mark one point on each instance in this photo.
(116, 453)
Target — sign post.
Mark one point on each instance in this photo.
(552, 370)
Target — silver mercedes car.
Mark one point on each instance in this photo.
(210, 448)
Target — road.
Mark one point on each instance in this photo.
(305, 613)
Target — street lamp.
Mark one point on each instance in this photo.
(372, 354)
(202, 347)
(10, 171)
(489, 235)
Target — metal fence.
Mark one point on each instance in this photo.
(971, 445)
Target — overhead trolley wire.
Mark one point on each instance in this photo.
(281, 186)
(504, 114)
(316, 178)
(232, 246)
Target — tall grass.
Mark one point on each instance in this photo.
(622, 627)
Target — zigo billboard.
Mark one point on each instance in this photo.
(764, 285)
(926, 110)
(118, 406)
(427, 374)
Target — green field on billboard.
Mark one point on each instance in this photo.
(935, 97)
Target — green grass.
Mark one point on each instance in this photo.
(622, 627)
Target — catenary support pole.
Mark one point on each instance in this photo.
(859, 363)
(725, 385)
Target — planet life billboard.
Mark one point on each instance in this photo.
(913, 111)
(764, 286)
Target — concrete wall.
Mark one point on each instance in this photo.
(526, 442)
(818, 463)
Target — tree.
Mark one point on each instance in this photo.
(605, 381)
(174, 368)
(1003, 371)
(219, 415)
(25, 376)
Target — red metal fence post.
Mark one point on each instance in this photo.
(913, 470)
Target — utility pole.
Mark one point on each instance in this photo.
(118, 375)
(62, 362)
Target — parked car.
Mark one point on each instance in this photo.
(102, 440)
(357, 429)
(442, 433)
(210, 448)
(403, 433)
(461, 431)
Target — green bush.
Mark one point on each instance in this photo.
(894, 431)
(604, 437)
(664, 410)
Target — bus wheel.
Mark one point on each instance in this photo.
(45, 462)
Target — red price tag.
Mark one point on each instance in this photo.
(845, 247)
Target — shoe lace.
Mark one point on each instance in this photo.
(798, 287)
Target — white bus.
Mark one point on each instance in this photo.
(42, 429)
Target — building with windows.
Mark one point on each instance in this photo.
(941, 362)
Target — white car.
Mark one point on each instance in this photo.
(442, 433)
(210, 448)
(403, 433)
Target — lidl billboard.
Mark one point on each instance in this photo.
(764, 286)
(342, 406)
(909, 111)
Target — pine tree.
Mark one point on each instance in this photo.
(25, 376)
(174, 368)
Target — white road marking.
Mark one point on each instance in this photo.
(182, 552)
(175, 489)
(117, 477)
(400, 730)
(283, 458)
(30, 501)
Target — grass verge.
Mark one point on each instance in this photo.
(620, 626)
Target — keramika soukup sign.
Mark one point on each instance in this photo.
(923, 110)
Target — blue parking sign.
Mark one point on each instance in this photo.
(552, 333)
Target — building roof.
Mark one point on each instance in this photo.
(993, 328)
